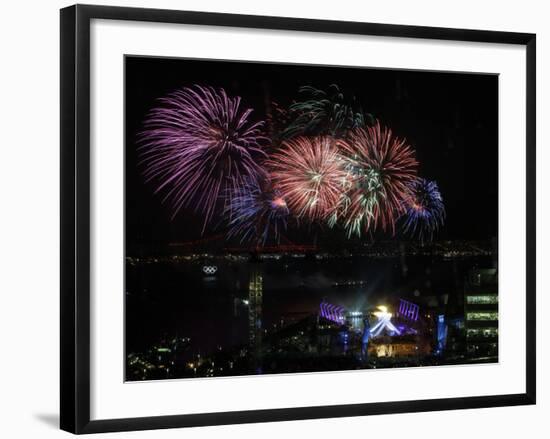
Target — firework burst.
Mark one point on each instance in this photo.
(425, 210)
(324, 112)
(381, 169)
(309, 172)
(257, 212)
(198, 144)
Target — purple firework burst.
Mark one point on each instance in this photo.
(257, 212)
(425, 210)
(198, 144)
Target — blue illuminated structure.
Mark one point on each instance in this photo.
(408, 310)
(441, 333)
(331, 312)
(337, 314)
(365, 339)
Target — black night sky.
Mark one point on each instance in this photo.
(450, 119)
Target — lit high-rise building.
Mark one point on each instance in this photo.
(481, 312)
(255, 296)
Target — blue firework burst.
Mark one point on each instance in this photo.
(257, 212)
(425, 211)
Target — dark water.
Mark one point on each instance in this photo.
(178, 299)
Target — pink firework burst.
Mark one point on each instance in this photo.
(198, 145)
(310, 175)
(382, 169)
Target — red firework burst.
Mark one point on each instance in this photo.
(381, 168)
(310, 175)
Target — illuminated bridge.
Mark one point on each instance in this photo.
(219, 243)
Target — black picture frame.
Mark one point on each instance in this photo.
(75, 218)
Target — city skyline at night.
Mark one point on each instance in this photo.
(291, 218)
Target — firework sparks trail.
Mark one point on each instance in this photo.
(425, 210)
(381, 169)
(309, 172)
(257, 212)
(198, 144)
(324, 112)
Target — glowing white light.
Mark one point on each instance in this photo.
(209, 269)
(384, 322)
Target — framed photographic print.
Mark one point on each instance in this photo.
(267, 218)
